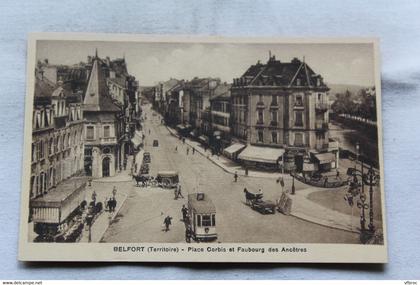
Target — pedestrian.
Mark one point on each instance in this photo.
(235, 176)
(325, 181)
(176, 193)
(114, 191)
(183, 140)
(94, 197)
(188, 234)
(149, 131)
(167, 222)
(246, 171)
(193, 150)
(184, 211)
(337, 174)
(179, 191)
(109, 205)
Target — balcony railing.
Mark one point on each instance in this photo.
(110, 140)
(260, 122)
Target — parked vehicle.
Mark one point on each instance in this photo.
(256, 202)
(201, 223)
(168, 179)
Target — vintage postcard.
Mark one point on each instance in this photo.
(202, 149)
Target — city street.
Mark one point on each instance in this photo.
(141, 217)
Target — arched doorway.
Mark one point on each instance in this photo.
(105, 166)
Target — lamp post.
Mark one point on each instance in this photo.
(356, 188)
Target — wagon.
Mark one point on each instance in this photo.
(256, 202)
(168, 179)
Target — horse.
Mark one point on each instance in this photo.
(249, 196)
(141, 178)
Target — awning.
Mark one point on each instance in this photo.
(181, 127)
(193, 133)
(217, 133)
(261, 154)
(203, 139)
(234, 148)
(324, 158)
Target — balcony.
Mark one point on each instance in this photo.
(274, 105)
(110, 140)
(321, 107)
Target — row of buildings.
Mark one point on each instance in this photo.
(274, 116)
(84, 120)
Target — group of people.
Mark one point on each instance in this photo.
(111, 204)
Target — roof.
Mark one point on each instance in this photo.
(118, 80)
(276, 73)
(204, 206)
(234, 148)
(43, 88)
(221, 92)
(62, 192)
(97, 96)
(261, 154)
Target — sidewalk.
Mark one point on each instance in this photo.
(310, 211)
(226, 164)
(103, 221)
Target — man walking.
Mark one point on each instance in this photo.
(167, 222)
(193, 150)
(179, 191)
(184, 211)
(235, 176)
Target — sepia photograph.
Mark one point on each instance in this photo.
(181, 147)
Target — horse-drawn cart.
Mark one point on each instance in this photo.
(256, 202)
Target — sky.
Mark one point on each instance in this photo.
(154, 62)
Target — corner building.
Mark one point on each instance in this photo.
(283, 106)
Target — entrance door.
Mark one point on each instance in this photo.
(105, 167)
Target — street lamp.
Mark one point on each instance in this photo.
(356, 188)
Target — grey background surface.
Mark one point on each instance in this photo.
(396, 23)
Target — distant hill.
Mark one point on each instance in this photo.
(342, 88)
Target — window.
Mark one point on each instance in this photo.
(106, 132)
(198, 221)
(298, 81)
(274, 137)
(33, 187)
(274, 116)
(206, 221)
(260, 136)
(260, 116)
(299, 100)
(40, 154)
(274, 100)
(213, 220)
(33, 152)
(260, 100)
(88, 152)
(56, 144)
(90, 135)
(298, 139)
(319, 96)
(51, 146)
(299, 119)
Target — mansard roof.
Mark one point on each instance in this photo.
(285, 74)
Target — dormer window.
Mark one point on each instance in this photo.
(298, 83)
(299, 100)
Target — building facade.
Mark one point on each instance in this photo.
(104, 126)
(57, 135)
(285, 105)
